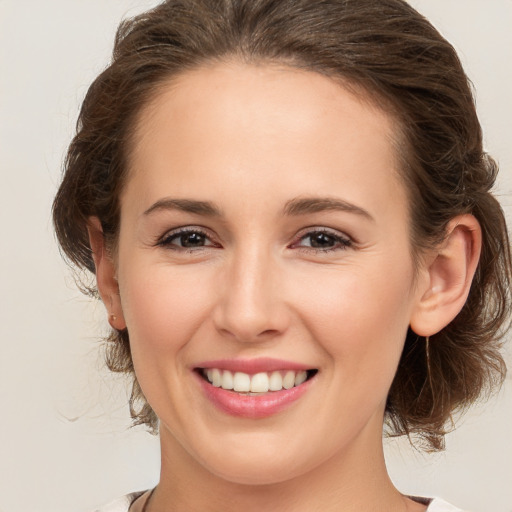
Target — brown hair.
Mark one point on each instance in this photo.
(393, 54)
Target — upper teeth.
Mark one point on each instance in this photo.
(257, 383)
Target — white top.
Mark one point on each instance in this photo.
(439, 505)
(123, 504)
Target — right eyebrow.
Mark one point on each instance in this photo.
(308, 205)
(185, 205)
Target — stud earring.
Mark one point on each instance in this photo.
(111, 320)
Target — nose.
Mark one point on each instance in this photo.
(250, 306)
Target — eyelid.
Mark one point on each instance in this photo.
(164, 240)
(345, 240)
(323, 229)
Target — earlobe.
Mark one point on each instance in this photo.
(108, 287)
(449, 274)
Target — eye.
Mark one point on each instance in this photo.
(323, 240)
(186, 238)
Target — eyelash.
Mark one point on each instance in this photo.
(168, 238)
(342, 242)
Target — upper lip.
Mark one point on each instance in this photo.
(252, 366)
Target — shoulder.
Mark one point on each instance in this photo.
(439, 505)
(120, 504)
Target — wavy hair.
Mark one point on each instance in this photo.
(399, 60)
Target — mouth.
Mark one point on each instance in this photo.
(256, 384)
(254, 389)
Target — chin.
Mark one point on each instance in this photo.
(255, 474)
(267, 466)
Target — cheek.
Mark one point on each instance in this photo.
(360, 314)
(163, 305)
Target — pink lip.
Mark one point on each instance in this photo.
(252, 406)
(252, 366)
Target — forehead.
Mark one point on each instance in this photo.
(234, 121)
(239, 92)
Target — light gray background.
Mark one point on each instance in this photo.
(64, 443)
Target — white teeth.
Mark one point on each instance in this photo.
(275, 381)
(262, 382)
(227, 380)
(301, 377)
(216, 378)
(241, 382)
(289, 380)
(259, 383)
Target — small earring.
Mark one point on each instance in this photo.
(111, 320)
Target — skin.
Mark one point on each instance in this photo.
(251, 139)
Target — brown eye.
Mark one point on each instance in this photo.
(186, 239)
(322, 240)
(191, 240)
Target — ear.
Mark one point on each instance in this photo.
(105, 274)
(448, 273)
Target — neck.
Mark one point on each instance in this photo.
(351, 480)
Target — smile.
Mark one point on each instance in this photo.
(253, 393)
(258, 383)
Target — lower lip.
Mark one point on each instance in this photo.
(252, 406)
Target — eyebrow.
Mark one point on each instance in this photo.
(185, 205)
(294, 207)
(302, 206)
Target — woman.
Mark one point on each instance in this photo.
(287, 208)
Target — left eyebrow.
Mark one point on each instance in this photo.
(185, 205)
(302, 206)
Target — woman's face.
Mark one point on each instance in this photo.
(264, 230)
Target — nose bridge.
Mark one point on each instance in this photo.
(251, 306)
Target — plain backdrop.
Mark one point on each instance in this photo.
(65, 444)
